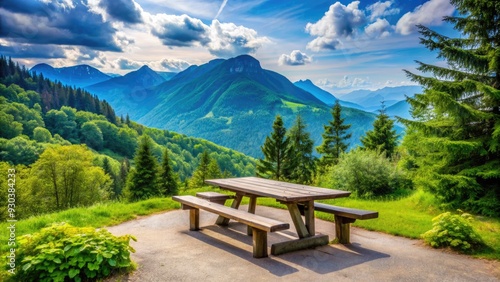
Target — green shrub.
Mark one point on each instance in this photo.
(367, 173)
(454, 231)
(62, 252)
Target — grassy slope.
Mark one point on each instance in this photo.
(409, 217)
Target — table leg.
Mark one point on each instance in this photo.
(309, 216)
(301, 228)
(235, 205)
(251, 209)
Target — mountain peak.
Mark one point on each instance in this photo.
(243, 64)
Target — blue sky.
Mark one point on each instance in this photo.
(339, 45)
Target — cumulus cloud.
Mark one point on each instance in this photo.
(345, 82)
(174, 65)
(32, 51)
(228, 39)
(180, 31)
(379, 29)
(127, 64)
(296, 58)
(430, 13)
(126, 11)
(55, 22)
(339, 22)
(381, 9)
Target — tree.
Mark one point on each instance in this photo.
(143, 179)
(301, 148)
(106, 166)
(458, 116)
(383, 136)
(41, 134)
(167, 179)
(65, 177)
(276, 152)
(201, 172)
(334, 138)
(91, 135)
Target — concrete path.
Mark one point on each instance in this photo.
(167, 251)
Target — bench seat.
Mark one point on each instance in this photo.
(343, 218)
(214, 197)
(260, 225)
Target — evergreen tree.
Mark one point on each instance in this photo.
(456, 144)
(302, 146)
(276, 163)
(213, 170)
(383, 136)
(334, 138)
(124, 170)
(109, 171)
(168, 184)
(143, 179)
(201, 172)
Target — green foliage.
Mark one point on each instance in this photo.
(203, 171)
(62, 252)
(383, 136)
(334, 138)
(277, 162)
(42, 135)
(19, 150)
(167, 179)
(301, 150)
(366, 173)
(457, 154)
(144, 178)
(454, 231)
(64, 177)
(91, 135)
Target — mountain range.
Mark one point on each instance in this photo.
(77, 76)
(231, 102)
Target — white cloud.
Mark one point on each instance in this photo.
(339, 22)
(228, 39)
(295, 58)
(430, 13)
(127, 64)
(174, 65)
(379, 29)
(381, 9)
(180, 31)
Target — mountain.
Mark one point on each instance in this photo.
(325, 96)
(166, 74)
(78, 76)
(234, 103)
(400, 109)
(127, 93)
(371, 100)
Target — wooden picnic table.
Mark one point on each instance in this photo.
(294, 196)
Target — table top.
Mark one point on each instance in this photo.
(282, 191)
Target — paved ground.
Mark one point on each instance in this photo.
(167, 251)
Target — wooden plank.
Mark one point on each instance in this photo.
(251, 209)
(257, 221)
(214, 197)
(346, 212)
(343, 229)
(235, 205)
(309, 217)
(194, 219)
(259, 243)
(285, 185)
(297, 220)
(299, 244)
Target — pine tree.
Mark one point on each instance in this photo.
(167, 180)
(276, 152)
(201, 172)
(302, 146)
(334, 138)
(143, 179)
(455, 149)
(109, 171)
(383, 136)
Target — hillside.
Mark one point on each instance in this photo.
(325, 96)
(234, 102)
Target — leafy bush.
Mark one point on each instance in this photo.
(367, 173)
(62, 252)
(454, 231)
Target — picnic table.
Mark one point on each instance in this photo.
(299, 199)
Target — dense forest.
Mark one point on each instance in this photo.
(46, 127)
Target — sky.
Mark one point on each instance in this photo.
(339, 45)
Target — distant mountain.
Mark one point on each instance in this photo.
(371, 100)
(78, 76)
(234, 103)
(325, 96)
(400, 109)
(166, 74)
(113, 74)
(128, 93)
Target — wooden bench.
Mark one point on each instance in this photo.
(260, 225)
(343, 218)
(214, 197)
